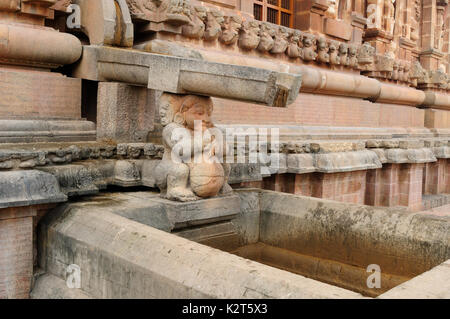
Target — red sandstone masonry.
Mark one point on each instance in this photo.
(320, 110)
(435, 177)
(34, 94)
(16, 257)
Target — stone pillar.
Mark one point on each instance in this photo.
(304, 184)
(447, 176)
(432, 36)
(125, 113)
(349, 187)
(389, 192)
(280, 183)
(374, 187)
(435, 179)
(16, 252)
(410, 186)
(22, 194)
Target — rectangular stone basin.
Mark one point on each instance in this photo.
(262, 244)
(335, 243)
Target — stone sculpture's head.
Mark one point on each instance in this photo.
(195, 108)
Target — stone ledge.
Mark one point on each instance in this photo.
(332, 162)
(409, 156)
(433, 284)
(441, 152)
(26, 188)
(28, 131)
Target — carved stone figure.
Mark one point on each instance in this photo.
(196, 173)
(406, 69)
(196, 27)
(281, 41)
(417, 73)
(366, 54)
(322, 50)
(343, 54)
(294, 49)
(333, 52)
(439, 29)
(308, 52)
(395, 70)
(249, 35)
(352, 59)
(414, 34)
(439, 78)
(175, 12)
(389, 16)
(332, 11)
(214, 21)
(267, 32)
(230, 29)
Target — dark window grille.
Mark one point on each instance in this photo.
(286, 4)
(257, 11)
(274, 11)
(285, 19)
(272, 15)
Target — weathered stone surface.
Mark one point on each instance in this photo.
(391, 238)
(51, 287)
(421, 155)
(31, 131)
(161, 265)
(300, 163)
(441, 152)
(189, 76)
(242, 172)
(124, 113)
(433, 284)
(347, 161)
(127, 173)
(202, 211)
(26, 188)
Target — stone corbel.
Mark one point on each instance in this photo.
(182, 76)
(106, 22)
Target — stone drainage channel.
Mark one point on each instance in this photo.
(253, 244)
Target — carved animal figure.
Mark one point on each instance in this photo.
(294, 47)
(267, 32)
(249, 35)
(322, 50)
(308, 52)
(214, 21)
(230, 29)
(281, 41)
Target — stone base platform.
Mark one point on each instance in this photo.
(150, 209)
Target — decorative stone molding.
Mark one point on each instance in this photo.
(49, 48)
